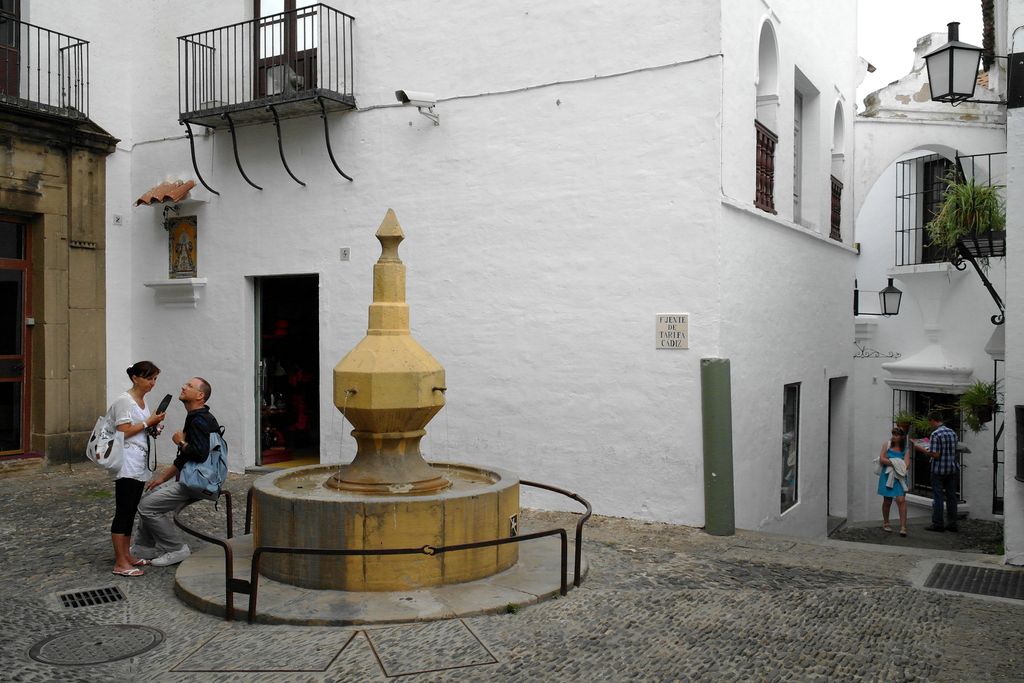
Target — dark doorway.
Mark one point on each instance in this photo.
(837, 457)
(288, 369)
(15, 267)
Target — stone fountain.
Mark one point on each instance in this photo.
(388, 387)
(388, 497)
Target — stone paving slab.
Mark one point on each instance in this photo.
(249, 650)
(661, 603)
(428, 648)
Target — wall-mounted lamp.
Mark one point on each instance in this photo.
(423, 101)
(953, 72)
(888, 300)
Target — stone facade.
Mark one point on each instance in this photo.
(53, 177)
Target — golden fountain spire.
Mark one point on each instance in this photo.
(389, 388)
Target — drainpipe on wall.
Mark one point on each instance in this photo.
(716, 417)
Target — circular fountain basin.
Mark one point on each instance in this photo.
(293, 508)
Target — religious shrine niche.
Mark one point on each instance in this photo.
(182, 246)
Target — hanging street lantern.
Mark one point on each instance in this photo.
(889, 299)
(953, 68)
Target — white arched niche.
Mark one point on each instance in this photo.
(768, 78)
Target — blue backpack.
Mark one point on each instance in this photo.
(204, 479)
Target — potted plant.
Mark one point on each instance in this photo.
(978, 403)
(912, 423)
(972, 213)
(903, 419)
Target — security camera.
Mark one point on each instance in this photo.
(423, 101)
(416, 99)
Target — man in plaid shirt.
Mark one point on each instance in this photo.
(945, 471)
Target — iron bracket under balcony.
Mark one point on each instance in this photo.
(293, 64)
(971, 249)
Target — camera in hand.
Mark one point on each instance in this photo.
(166, 401)
(155, 430)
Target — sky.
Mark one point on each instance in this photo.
(888, 31)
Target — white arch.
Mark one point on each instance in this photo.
(880, 143)
(838, 129)
(767, 61)
(767, 77)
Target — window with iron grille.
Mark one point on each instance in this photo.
(790, 444)
(921, 403)
(764, 197)
(920, 187)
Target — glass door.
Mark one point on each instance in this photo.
(10, 64)
(288, 35)
(14, 360)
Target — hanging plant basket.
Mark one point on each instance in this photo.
(971, 216)
(990, 244)
(978, 403)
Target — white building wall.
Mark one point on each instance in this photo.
(784, 321)
(1014, 489)
(549, 218)
(939, 302)
(786, 287)
(828, 59)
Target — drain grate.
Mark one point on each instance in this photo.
(96, 644)
(1000, 583)
(94, 596)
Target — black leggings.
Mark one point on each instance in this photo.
(127, 493)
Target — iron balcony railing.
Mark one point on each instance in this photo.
(285, 58)
(43, 70)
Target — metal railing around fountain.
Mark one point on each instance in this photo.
(250, 587)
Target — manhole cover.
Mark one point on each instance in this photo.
(96, 644)
(1000, 583)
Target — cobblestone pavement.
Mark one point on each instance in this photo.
(661, 603)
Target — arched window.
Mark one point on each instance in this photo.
(838, 161)
(766, 118)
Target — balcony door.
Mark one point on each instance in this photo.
(286, 48)
(14, 347)
(9, 61)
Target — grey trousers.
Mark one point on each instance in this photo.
(156, 527)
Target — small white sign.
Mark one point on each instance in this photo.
(672, 331)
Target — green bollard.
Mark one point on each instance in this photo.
(716, 416)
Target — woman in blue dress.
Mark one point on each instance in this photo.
(892, 479)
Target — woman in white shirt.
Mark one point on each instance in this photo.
(130, 415)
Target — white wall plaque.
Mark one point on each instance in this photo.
(672, 331)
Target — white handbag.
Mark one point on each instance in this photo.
(106, 446)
